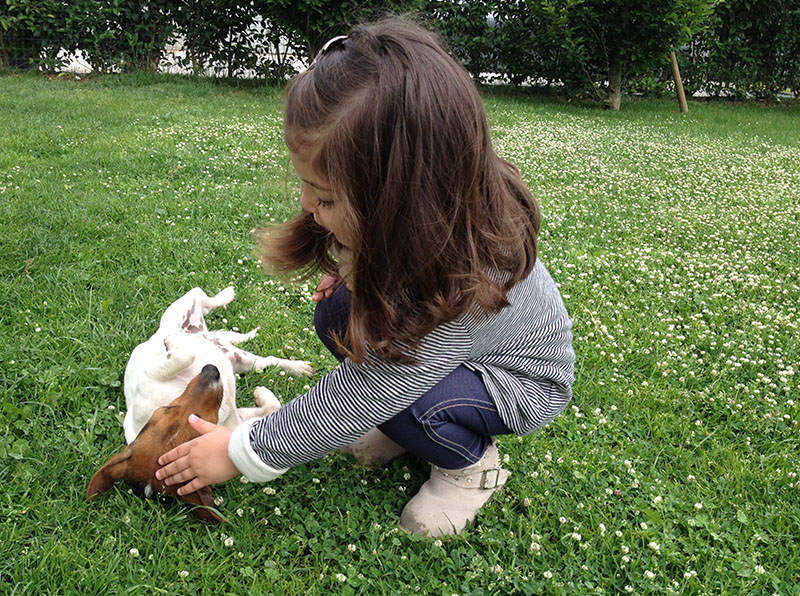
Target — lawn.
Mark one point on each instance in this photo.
(674, 240)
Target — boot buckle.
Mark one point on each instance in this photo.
(491, 481)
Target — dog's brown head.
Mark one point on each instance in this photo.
(168, 427)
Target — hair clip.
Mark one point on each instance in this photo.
(331, 44)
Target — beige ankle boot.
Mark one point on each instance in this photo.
(373, 449)
(451, 499)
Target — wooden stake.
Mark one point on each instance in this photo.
(676, 76)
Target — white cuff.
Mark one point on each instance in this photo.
(246, 459)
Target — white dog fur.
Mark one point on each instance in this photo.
(160, 368)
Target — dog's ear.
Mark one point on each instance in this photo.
(115, 468)
(204, 499)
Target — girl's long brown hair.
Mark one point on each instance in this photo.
(442, 225)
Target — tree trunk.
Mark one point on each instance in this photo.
(3, 51)
(614, 99)
(676, 76)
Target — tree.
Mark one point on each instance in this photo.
(310, 24)
(614, 39)
(469, 29)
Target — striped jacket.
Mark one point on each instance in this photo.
(523, 353)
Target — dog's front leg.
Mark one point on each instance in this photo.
(266, 404)
(180, 354)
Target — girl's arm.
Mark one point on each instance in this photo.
(326, 287)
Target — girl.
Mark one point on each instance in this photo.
(448, 329)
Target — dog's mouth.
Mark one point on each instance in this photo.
(208, 384)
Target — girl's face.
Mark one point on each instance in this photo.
(328, 210)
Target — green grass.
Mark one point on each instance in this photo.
(673, 238)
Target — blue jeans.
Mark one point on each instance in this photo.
(450, 426)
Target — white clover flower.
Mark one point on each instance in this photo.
(760, 570)
(649, 574)
(576, 537)
(277, 511)
(228, 542)
(134, 552)
(654, 546)
(268, 490)
(698, 506)
(548, 574)
(183, 573)
(341, 577)
(351, 548)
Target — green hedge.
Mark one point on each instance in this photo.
(749, 48)
(734, 47)
(588, 47)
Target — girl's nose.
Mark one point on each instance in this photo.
(307, 202)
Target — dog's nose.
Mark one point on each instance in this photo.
(211, 372)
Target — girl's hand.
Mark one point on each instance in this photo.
(200, 462)
(326, 286)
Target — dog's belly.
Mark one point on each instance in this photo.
(144, 393)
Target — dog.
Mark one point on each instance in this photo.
(159, 369)
(184, 368)
(167, 428)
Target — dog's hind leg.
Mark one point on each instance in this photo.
(293, 367)
(231, 337)
(243, 361)
(187, 312)
(223, 298)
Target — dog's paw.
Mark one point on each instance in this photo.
(251, 334)
(264, 398)
(180, 346)
(299, 367)
(175, 343)
(225, 297)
